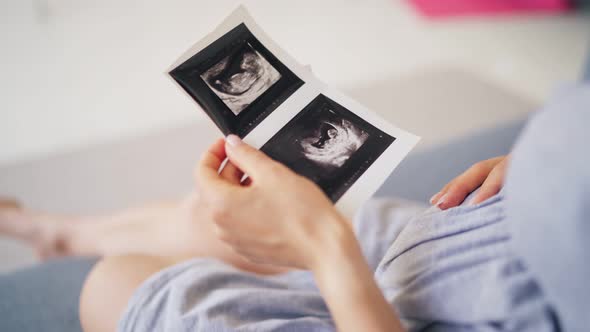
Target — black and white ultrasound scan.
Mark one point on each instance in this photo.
(248, 86)
(237, 81)
(240, 78)
(329, 145)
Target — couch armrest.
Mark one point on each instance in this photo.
(43, 297)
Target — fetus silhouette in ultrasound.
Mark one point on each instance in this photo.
(239, 78)
(328, 144)
(332, 144)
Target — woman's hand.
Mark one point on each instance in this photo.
(276, 216)
(281, 218)
(487, 175)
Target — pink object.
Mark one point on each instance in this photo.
(444, 8)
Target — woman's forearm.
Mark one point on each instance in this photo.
(347, 285)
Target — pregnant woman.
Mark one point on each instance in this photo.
(274, 255)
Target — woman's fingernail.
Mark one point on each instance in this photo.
(441, 200)
(433, 198)
(233, 140)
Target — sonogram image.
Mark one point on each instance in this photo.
(238, 79)
(328, 144)
(332, 143)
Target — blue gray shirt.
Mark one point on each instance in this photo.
(548, 203)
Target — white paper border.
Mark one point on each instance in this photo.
(374, 176)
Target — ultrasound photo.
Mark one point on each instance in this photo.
(329, 145)
(237, 81)
(240, 78)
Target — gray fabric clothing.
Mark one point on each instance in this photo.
(550, 221)
(446, 271)
(456, 271)
(207, 295)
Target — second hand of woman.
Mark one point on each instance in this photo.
(487, 175)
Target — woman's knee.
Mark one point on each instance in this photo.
(109, 287)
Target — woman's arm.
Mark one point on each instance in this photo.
(284, 219)
(348, 287)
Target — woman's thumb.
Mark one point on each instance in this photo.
(249, 160)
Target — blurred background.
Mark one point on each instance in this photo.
(89, 122)
(79, 72)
